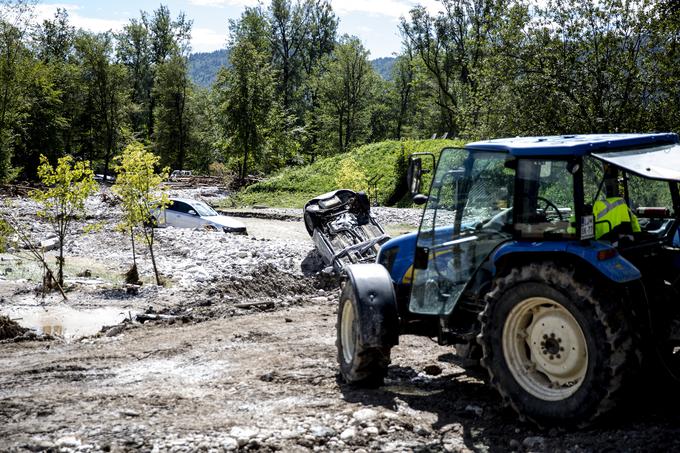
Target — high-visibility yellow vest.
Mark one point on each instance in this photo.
(615, 211)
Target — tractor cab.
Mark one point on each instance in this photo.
(537, 194)
(535, 259)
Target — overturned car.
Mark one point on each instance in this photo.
(343, 229)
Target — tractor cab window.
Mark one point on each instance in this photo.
(545, 199)
(469, 213)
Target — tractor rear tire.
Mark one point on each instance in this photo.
(360, 365)
(559, 352)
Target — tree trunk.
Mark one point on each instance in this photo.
(60, 260)
(153, 259)
(134, 253)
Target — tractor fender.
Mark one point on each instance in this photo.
(376, 304)
(611, 265)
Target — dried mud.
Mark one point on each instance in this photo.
(240, 355)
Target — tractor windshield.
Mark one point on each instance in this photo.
(469, 212)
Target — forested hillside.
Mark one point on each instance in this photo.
(384, 67)
(295, 90)
(204, 66)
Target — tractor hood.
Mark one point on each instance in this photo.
(662, 162)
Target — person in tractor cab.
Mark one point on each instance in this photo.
(614, 220)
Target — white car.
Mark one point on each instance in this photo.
(187, 213)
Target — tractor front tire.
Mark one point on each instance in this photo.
(558, 351)
(360, 365)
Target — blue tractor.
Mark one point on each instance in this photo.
(551, 262)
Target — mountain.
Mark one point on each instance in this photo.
(383, 66)
(204, 66)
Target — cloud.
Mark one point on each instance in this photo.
(46, 11)
(207, 40)
(223, 3)
(389, 8)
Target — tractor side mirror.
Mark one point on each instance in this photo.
(419, 198)
(414, 175)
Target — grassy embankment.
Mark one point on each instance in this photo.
(293, 187)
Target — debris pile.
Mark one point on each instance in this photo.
(9, 329)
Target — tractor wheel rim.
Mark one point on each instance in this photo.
(545, 349)
(348, 331)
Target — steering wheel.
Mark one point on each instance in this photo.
(550, 204)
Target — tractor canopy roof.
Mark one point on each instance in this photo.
(655, 156)
(572, 145)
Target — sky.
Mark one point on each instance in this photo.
(373, 21)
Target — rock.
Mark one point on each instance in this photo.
(41, 445)
(478, 411)
(130, 413)
(322, 431)
(422, 431)
(433, 370)
(116, 330)
(230, 444)
(49, 244)
(371, 431)
(69, 442)
(514, 444)
(288, 434)
(288, 320)
(364, 415)
(243, 435)
(534, 442)
(348, 434)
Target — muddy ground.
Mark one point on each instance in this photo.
(239, 353)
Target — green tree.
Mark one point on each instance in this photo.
(139, 187)
(289, 23)
(454, 46)
(63, 200)
(42, 122)
(134, 51)
(206, 143)
(14, 18)
(53, 45)
(172, 91)
(346, 88)
(167, 38)
(105, 82)
(247, 90)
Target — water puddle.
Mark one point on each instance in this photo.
(66, 322)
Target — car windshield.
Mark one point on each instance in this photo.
(203, 209)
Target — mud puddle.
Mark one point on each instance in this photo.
(66, 322)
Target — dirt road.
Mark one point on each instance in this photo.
(211, 376)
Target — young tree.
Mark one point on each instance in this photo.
(63, 200)
(139, 186)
